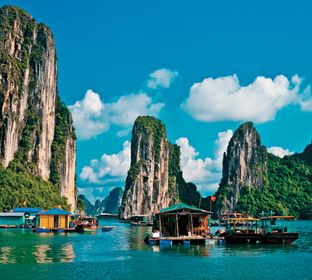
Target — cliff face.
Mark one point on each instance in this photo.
(187, 191)
(244, 165)
(147, 187)
(28, 100)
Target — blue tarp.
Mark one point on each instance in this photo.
(54, 211)
(26, 210)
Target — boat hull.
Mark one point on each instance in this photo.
(280, 238)
(83, 228)
(243, 238)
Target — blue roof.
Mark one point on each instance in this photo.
(54, 211)
(26, 209)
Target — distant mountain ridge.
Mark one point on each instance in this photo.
(110, 204)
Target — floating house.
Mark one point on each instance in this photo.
(179, 224)
(11, 220)
(54, 220)
(29, 215)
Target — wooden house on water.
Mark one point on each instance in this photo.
(11, 220)
(179, 224)
(29, 215)
(54, 220)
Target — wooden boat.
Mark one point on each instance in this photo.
(275, 230)
(242, 231)
(86, 224)
(141, 220)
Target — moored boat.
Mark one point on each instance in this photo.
(275, 230)
(86, 224)
(242, 231)
(141, 220)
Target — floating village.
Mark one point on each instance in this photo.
(179, 224)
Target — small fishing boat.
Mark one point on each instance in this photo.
(242, 231)
(141, 220)
(275, 230)
(86, 224)
(107, 228)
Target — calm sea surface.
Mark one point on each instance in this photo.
(121, 254)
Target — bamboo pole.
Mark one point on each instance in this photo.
(191, 223)
(177, 220)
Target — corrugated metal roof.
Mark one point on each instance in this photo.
(54, 211)
(181, 206)
(26, 209)
(11, 214)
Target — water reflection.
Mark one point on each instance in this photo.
(68, 254)
(6, 255)
(41, 254)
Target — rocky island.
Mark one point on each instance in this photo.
(37, 138)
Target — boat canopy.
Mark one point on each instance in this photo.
(249, 219)
(278, 217)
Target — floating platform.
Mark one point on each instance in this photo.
(53, 230)
(182, 240)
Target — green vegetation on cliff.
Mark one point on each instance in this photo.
(62, 133)
(19, 188)
(151, 129)
(288, 188)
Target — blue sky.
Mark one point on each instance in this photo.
(112, 48)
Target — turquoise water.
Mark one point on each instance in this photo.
(121, 254)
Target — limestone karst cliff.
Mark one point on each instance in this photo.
(35, 127)
(147, 188)
(155, 179)
(255, 180)
(244, 165)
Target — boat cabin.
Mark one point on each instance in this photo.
(53, 219)
(275, 224)
(242, 231)
(182, 220)
(242, 225)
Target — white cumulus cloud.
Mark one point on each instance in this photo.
(224, 98)
(204, 172)
(109, 168)
(93, 116)
(161, 78)
(279, 151)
